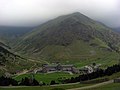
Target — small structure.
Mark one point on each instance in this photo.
(8, 75)
(117, 80)
(90, 68)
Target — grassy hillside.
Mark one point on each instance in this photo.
(12, 63)
(79, 53)
(72, 38)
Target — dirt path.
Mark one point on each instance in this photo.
(65, 84)
(26, 71)
(38, 61)
(35, 61)
(92, 86)
(21, 73)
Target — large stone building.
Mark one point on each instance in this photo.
(58, 67)
(66, 68)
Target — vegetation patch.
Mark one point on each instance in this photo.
(47, 77)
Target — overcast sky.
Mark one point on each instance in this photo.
(34, 12)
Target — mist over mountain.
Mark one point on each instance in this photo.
(33, 12)
(117, 29)
(9, 34)
(12, 31)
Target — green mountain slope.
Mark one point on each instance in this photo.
(10, 62)
(70, 39)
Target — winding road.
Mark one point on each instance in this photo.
(80, 88)
(92, 86)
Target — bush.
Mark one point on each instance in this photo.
(58, 89)
(52, 82)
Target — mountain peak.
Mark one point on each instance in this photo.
(76, 13)
(79, 17)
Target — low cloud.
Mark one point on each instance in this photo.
(34, 12)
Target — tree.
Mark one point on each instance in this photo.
(25, 82)
(52, 82)
(99, 73)
(35, 82)
(4, 81)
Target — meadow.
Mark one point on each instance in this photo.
(113, 86)
(47, 77)
(45, 87)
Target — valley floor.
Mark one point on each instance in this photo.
(112, 86)
(47, 77)
(109, 85)
(65, 86)
(93, 86)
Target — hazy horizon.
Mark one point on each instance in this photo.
(34, 12)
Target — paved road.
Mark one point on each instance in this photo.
(81, 88)
(38, 86)
(92, 86)
(65, 84)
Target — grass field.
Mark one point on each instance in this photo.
(113, 86)
(47, 78)
(45, 87)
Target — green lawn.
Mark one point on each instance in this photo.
(113, 86)
(45, 87)
(47, 78)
